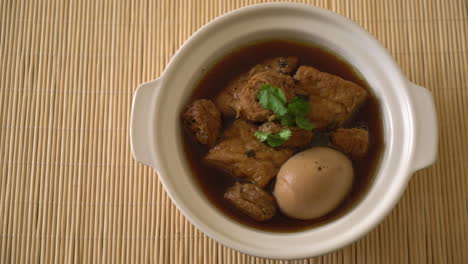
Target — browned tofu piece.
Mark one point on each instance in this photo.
(352, 141)
(332, 88)
(240, 153)
(203, 119)
(285, 65)
(324, 112)
(248, 106)
(252, 201)
(227, 99)
(299, 137)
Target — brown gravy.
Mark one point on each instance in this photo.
(214, 182)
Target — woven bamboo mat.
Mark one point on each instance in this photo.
(70, 190)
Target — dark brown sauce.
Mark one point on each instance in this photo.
(214, 182)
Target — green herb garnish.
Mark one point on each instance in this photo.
(262, 136)
(274, 140)
(272, 98)
(299, 106)
(294, 113)
(304, 123)
(287, 120)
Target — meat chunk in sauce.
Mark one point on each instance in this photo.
(248, 106)
(225, 99)
(203, 119)
(299, 137)
(326, 113)
(252, 201)
(228, 98)
(240, 153)
(284, 65)
(352, 141)
(331, 92)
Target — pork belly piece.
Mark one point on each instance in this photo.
(240, 153)
(203, 119)
(325, 113)
(227, 99)
(285, 65)
(252, 201)
(352, 141)
(248, 106)
(339, 98)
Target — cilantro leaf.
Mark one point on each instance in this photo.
(287, 120)
(272, 98)
(304, 122)
(293, 113)
(262, 136)
(274, 140)
(285, 134)
(299, 106)
(277, 92)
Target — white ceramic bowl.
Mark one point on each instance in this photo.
(410, 124)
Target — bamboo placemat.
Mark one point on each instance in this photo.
(70, 190)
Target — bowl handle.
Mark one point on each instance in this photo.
(142, 122)
(426, 127)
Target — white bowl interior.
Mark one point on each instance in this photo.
(308, 25)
